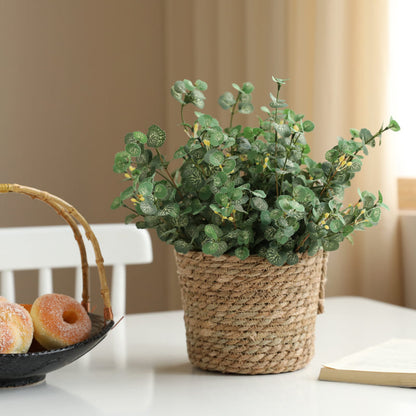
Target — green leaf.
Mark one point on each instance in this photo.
(303, 194)
(229, 166)
(259, 193)
(330, 245)
(215, 137)
(292, 259)
(122, 161)
(219, 179)
(236, 194)
(182, 246)
(221, 199)
(281, 237)
(374, 215)
(365, 135)
(279, 81)
(355, 133)
(248, 87)
(259, 204)
(332, 155)
(205, 193)
(130, 218)
(201, 85)
(213, 231)
(133, 149)
(314, 247)
(145, 188)
(127, 193)
(197, 98)
(188, 85)
(179, 87)
(181, 152)
(161, 192)
(242, 252)
(236, 87)
(275, 257)
(308, 126)
(148, 207)
(347, 230)
(141, 225)
(214, 157)
(368, 199)
(336, 225)
(288, 204)
(214, 248)
(176, 95)
(135, 137)
(117, 203)
(170, 210)
(283, 130)
(140, 137)
(244, 237)
(226, 100)
(192, 176)
(156, 136)
(245, 108)
(394, 125)
(265, 217)
(197, 207)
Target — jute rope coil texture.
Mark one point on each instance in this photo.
(250, 317)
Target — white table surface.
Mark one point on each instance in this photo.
(141, 368)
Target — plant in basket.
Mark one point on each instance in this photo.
(247, 208)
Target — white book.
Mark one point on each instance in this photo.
(392, 363)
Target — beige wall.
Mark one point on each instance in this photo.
(77, 75)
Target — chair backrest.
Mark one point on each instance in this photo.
(50, 247)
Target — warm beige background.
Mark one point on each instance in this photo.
(76, 76)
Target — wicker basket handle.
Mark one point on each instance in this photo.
(72, 216)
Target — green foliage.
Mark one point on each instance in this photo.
(246, 190)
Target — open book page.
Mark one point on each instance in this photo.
(393, 356)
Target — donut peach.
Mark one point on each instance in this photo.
(59, 321)
(16, 328)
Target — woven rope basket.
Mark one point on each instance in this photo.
(250, 317)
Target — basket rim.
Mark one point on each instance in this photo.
(252, 258)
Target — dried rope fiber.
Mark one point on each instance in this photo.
(250, 317)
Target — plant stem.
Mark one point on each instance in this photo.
(277, 99)
(276, 176)
(233, 109)
(186, 127)
(162, 175)
(182, 119)
(131, 209)
(171, 180)
(302, 242)
(275, 141)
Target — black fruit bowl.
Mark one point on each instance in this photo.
(23, 369)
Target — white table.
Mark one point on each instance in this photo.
(141, 368)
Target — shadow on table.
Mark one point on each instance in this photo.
(42, 396)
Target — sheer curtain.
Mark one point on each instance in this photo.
(335, 55)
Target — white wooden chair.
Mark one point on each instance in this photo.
(49, 247)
